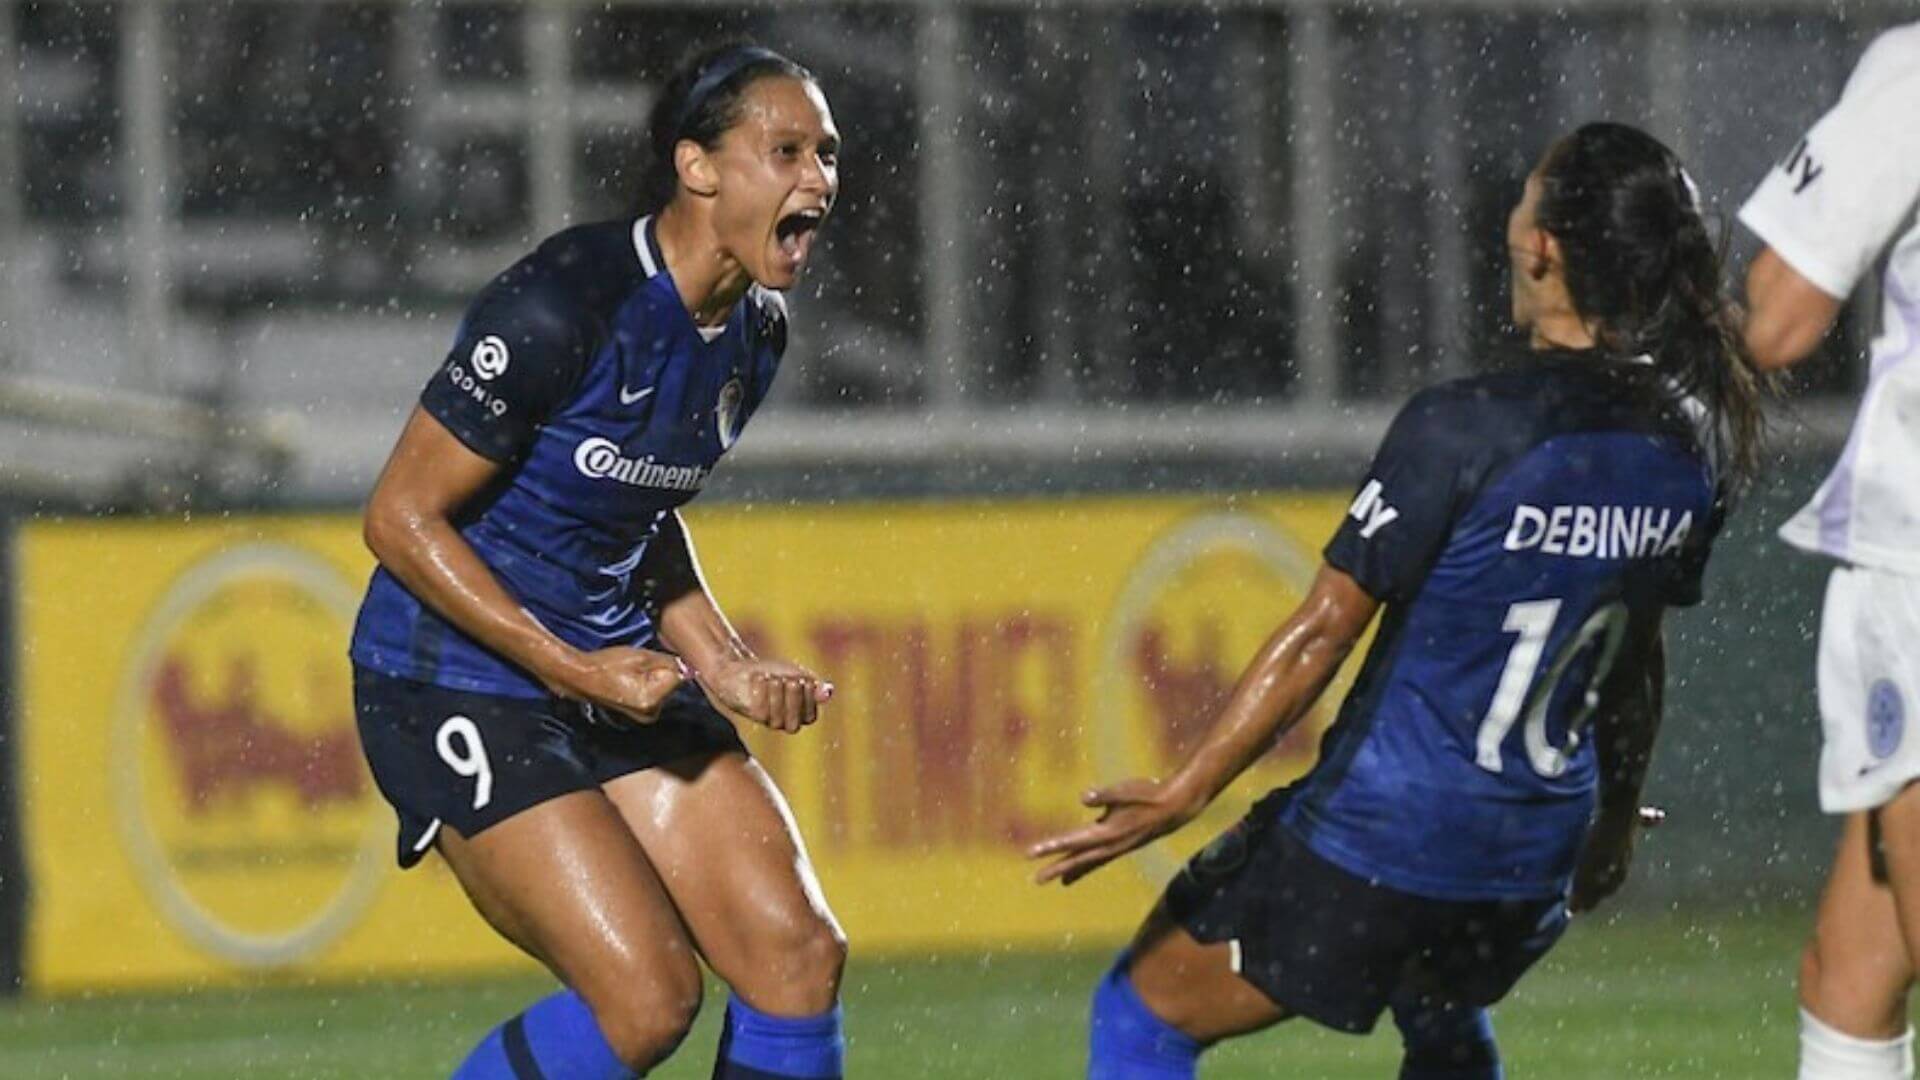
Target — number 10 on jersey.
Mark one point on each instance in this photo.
(1519, 692)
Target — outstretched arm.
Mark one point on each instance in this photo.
(775, 693)
(1275, 691)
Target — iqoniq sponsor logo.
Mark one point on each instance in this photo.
(476, 388)
(490, 357)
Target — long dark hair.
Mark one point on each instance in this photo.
(701, 101)
(1641, 265)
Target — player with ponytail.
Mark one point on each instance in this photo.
(1646, 276)
(1523, 532)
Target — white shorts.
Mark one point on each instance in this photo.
(1869, 687)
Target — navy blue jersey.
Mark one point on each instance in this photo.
(581, 372)
(1509, 524)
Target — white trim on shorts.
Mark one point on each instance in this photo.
(427, 836)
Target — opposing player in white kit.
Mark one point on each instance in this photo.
(1842, 197)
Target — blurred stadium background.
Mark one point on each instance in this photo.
(1117, 300)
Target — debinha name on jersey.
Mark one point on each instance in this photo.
(1598, 532)
(601, 459)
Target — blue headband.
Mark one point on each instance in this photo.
(724, 67)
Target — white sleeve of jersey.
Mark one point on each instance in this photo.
(1837, 199)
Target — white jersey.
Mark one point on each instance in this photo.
(1829, 210)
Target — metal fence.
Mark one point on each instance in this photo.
(234, 234)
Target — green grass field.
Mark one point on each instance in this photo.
(1679, 995)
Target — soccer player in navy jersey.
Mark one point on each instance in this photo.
(1523, 531)
(544, 685)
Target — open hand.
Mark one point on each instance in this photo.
(1133, 813)
(780, 695)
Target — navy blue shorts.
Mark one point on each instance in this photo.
(1337, 948)
(468, 761)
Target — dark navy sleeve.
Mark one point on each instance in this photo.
(518, 357)
(1681, 576)
(1405, 509)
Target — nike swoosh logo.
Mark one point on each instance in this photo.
(628, 397)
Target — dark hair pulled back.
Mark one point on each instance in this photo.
(1641, 265)
(701, 100)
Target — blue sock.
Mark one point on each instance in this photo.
(1129, 1042)
(1446, 1042)
(756, 1046)
(556, 1037)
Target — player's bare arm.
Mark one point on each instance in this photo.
(1284, 680)
(409, 528)
(1787, 315)
(776, 693)
(1625, 726)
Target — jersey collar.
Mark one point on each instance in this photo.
(647, 247)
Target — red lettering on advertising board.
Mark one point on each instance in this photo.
(841, 646)
(954, 710)
(230, 745)
(1184, 697)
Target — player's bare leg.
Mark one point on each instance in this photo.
(567, 882)
(1855, 970)
(1193, 989)
(1899, 837)
(1192, 985)
(1165, 1000)
(725, 845)
(728, 852)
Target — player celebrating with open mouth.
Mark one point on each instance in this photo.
(1524, 531)
(543, 683)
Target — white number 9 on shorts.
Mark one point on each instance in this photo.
(469, 758)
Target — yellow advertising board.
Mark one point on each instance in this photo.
(197, 809)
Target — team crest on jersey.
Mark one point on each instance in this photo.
(726, 412)
(489, 358)
(1886, 718)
